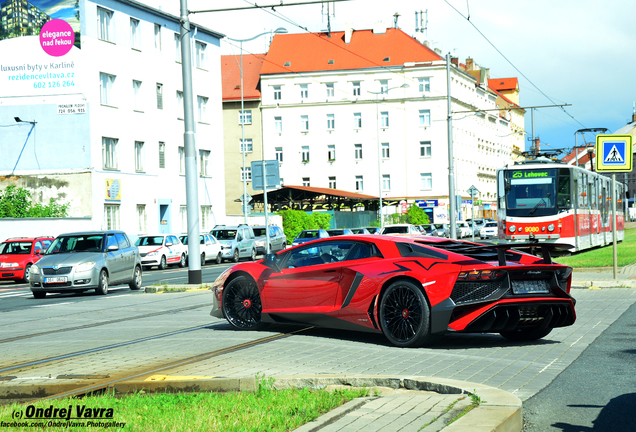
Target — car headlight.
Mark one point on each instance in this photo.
(35, 269)
(513, 228)
(85, 266)
(155, 253)
(551, 227)
(9, 265)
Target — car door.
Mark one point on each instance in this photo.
(114, 259)
(127, 255)
(309, 281)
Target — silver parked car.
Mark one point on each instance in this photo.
(77, 262)
(277, 239)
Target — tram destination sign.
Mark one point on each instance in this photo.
(614, 153)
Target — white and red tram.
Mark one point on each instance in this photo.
(550, 201)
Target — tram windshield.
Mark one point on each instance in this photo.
(531, 192)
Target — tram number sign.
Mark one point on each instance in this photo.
(614, 153)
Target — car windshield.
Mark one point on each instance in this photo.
(224, 234)
(76, 243)
(149, 241)
(259, 232)
(309, 234)
(15, 248)
(335, 232)
(396, 230)
(491, 224)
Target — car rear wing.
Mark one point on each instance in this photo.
(501, 248)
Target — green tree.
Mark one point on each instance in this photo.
(295, 221)
(15, 202)
(417, 216)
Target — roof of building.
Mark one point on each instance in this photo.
(308, 193)
(503, 84)
(365, 50)
(231, 76)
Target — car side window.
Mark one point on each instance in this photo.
(38, 245)
(112, 241)
(122, 241)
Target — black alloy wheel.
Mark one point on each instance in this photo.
(242, 304)
(526, 334)
(404, 315)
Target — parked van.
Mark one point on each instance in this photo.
(236, 242)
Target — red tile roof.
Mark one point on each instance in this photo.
(306, 52)
(503, 84)
(231, 76)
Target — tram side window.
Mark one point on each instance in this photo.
(564, 200)
(593, 195)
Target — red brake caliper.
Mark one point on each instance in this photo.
(247, 303)
(405, 314)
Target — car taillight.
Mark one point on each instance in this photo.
(481, 274)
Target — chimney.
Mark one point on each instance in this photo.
(379, 28)
(537, 145)
(470, 64)
(633, 117)
(455, 61)
(348, 33)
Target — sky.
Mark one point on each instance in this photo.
(577, 52)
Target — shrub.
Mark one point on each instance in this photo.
(15, 202)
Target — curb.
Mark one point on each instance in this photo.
(611, 283)
(167, 288)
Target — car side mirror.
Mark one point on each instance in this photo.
(113, 248)
(239, 238)
(271, 261)
(168, 244)
(38, 252)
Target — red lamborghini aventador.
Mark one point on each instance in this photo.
(412, 289)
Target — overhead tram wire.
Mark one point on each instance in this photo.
(511, 64)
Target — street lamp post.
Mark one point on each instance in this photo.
(279, 30)
(377, 118)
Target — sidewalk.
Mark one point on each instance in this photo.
(603, 277)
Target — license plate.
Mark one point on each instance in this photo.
(530, 287)
(55, 280)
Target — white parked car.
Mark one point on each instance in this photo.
(489, 230)
(209, 247)
(464, 229)
(400, 229)
(161, 250)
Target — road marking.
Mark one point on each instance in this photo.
(176, 377)
(15, 295)
(54, 304)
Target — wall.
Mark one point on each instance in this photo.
(29, 227)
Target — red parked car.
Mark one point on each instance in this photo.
(410, 289)
(17, 255)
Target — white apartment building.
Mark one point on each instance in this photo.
(368, 96)
(108, 136)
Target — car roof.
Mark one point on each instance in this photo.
(96, 232)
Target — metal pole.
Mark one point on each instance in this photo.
(265, 202)
(451, 174)
(614, 222)
(534, 148)
(472, 220)
(243, 142)
(377, 119)
(576, 148)
(192, 192)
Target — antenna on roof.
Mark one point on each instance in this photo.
(395, 19)
(328, 14)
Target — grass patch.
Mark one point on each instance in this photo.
(265, 409)
(604, 256)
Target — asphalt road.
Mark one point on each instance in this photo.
(597, 392)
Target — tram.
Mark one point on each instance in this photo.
(549, 201)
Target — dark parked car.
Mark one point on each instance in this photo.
(394, 285)
(339, 232)
(77, 262)
(309, 235)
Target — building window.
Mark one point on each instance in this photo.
(162, 154)
(384, 119)
(106, 88)
(137, 95)
(141, 218)
(304, 123)
(246, 145)
(426, 181)
(424, 85)
(386, 182)
(111, 216)
(158, 37)
(425, 148)
(357, 120)
(180, 114)
(304, 91)
(332, 182)
(356, 88)
(135, 36)
(359, 183)
(247, 175)
(425, 117)
(358, 151)
(105, 24)
(204, 158)
(206, 218)
(330, 90)
(109, 153)
(385, 150)
(202, 56)
(181, 160)
(245, 117)
(331, 121)
(177, 43)
(183, 216)
(384, 86)
(278, 124)
(279, 154)
(331, 152)
(305, 154)
(202, 103)
(306, 181)
(277, 92)
(139, 156)
(159, 96)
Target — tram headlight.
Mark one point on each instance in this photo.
(513, 228)
(551, 227)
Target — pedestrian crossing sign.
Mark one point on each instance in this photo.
(614, 153)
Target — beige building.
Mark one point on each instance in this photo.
(233, 123)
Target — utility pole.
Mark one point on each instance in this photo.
(451, 173)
